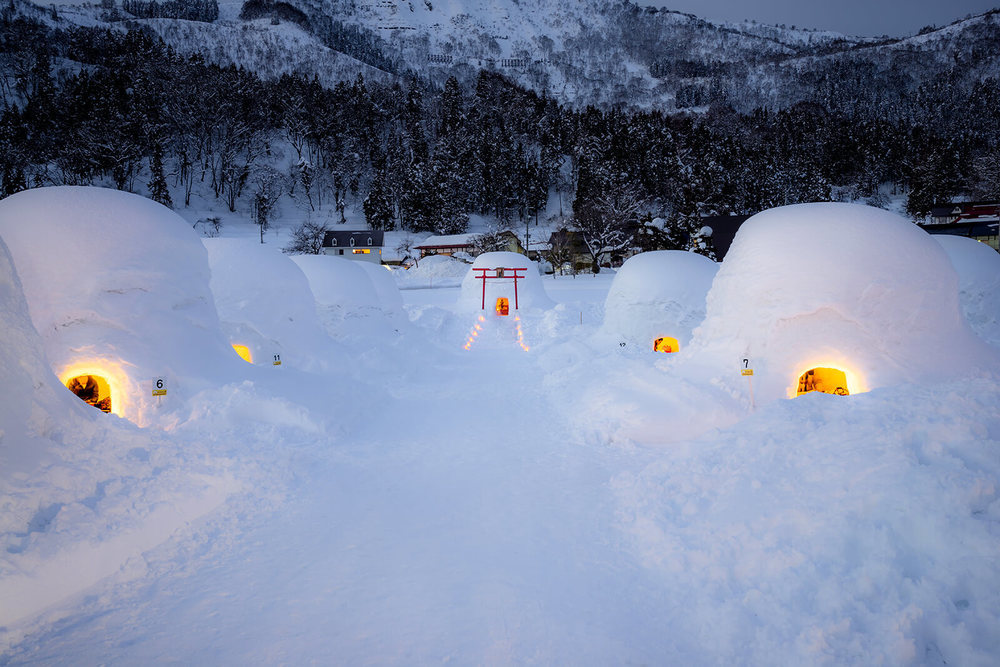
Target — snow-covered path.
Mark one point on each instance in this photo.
(453, 539)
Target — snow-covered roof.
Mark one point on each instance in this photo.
(836, 286)
(447, 241)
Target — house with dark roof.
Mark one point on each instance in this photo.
(365, 245)
(964, 212)
(975, 220)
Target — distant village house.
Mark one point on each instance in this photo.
(363, 245)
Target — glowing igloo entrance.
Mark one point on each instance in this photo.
(666, 344)
(92, 389)
(244, 352)
(825, 380)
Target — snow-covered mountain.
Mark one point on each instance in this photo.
(601, 53)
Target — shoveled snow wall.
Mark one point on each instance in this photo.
(530, 291)
(839, 286)
(118, 286)
(978, 269)
(265, 303)
(659, 293)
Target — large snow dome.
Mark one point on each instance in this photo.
(840, 298)
(500, 287)
(658, 295)
(265, 305)
(978, 269)
(117, 286)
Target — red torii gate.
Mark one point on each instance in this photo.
(500, 273)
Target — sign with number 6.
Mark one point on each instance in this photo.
(159, 386)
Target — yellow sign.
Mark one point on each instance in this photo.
(159, 387)
(747, 371)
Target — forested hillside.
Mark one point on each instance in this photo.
(113, 104)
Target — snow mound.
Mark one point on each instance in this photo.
(346, 298)
(385, 286)
(336, 281)
(265, 304)
(978, 269)
(839, 286)
(530, 291)
(655, 294)
(118, 287)
(433, 271)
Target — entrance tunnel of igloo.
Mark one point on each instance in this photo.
(91, 389)
(824, 380)
(667, 344)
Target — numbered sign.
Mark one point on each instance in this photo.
(745, 368)
(159, 386)
(277, 360)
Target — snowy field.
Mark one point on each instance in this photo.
(390, 497)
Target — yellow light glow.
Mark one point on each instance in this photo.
(826, 377)
(106, 373)
(244, 352)
(666, 344)
(362, 251)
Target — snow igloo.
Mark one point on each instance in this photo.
(118, 288)
(349, 302)
(501, 283)
(266, 307)
(657, 299)
(978, 269)
(835, 298)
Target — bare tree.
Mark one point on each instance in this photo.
(560, 250)
(608, 223)
(307, 239)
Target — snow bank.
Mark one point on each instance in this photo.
(978, 269)
(839, 286)
(117, 286)
(656, 294)
(264, 302)
(530, 291)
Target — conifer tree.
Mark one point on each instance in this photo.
(158, 190)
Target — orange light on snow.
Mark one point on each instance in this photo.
(666, 344)
(244, 352)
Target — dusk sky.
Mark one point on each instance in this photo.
(855, 17)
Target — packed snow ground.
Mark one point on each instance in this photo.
(578, 503)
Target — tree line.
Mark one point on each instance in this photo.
(93, 106)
